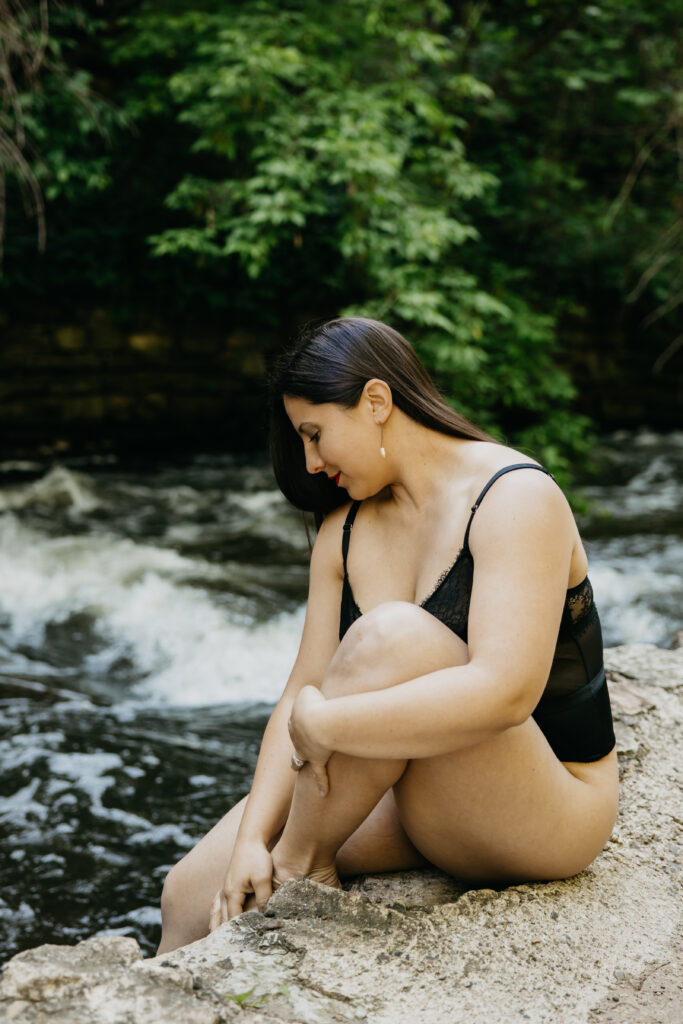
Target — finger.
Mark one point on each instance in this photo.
(214, 914)
(263, 891)
(234, 904)
(219, 911)
(321, 777)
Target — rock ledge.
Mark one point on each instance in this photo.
(417, 946)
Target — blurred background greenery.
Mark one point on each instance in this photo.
(184, 185)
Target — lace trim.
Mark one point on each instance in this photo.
(580, 606)
(437, 586)
(443, 577)
(450, 603)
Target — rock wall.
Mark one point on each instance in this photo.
(604, 946)
(90, 385)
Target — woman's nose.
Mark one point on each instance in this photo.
(314, 463)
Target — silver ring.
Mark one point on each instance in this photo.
(297, 763)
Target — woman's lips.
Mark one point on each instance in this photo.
(336, 479)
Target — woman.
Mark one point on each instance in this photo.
(448, 704)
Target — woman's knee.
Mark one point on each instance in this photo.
(184, 909)
(391, 643)
(174, 891)
(194, 880)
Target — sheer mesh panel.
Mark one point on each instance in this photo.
(578, 655)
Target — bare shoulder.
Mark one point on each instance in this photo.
(524, 503)
(328, 542)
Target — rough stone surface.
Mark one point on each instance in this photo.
(395, 949)
(90, 386)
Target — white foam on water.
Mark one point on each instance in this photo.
(162, 834)
(185, 647)
(133, 920)
(268, 514)
(27, 748)
(646, 438)
(60, 486)
(180, 500)
(653, 490)
(145, 916)
(45, 579)
(89, 774)
(20, 807)
(209, 658)
(108, 855)
(23, 914)
(638, 588)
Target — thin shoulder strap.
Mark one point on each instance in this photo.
(346, 536)
(501, 472)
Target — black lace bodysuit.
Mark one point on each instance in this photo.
(574, 711)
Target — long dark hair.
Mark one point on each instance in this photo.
(333, 362)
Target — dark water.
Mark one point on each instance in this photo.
(149, 616)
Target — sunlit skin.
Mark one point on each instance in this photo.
(419, 748)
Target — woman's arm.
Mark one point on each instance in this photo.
(271, 792)
(521, 540)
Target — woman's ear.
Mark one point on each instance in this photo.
(377, 394)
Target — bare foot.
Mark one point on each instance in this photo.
(325, 874)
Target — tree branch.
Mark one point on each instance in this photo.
(641, 159)
(668, 352)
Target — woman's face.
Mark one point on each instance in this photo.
(342, 443)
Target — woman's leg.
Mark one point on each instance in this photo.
(380, 844)
(503, 808)
(369, 658)
(193, 882)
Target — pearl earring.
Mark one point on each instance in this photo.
(381, 441)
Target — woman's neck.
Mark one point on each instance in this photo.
(424, 462)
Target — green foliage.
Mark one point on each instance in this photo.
(51, 122)
(483, 177)
(342, 135)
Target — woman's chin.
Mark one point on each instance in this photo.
(358, 493)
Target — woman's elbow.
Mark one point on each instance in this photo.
(520, 703)
(512, 703)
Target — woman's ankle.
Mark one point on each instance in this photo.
(286, 867)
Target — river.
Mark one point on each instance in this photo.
(149, 616)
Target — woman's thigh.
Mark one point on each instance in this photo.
(507, 809)
(503, 808)
(380, 843)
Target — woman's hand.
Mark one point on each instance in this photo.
(250, 871)
(304, 730)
